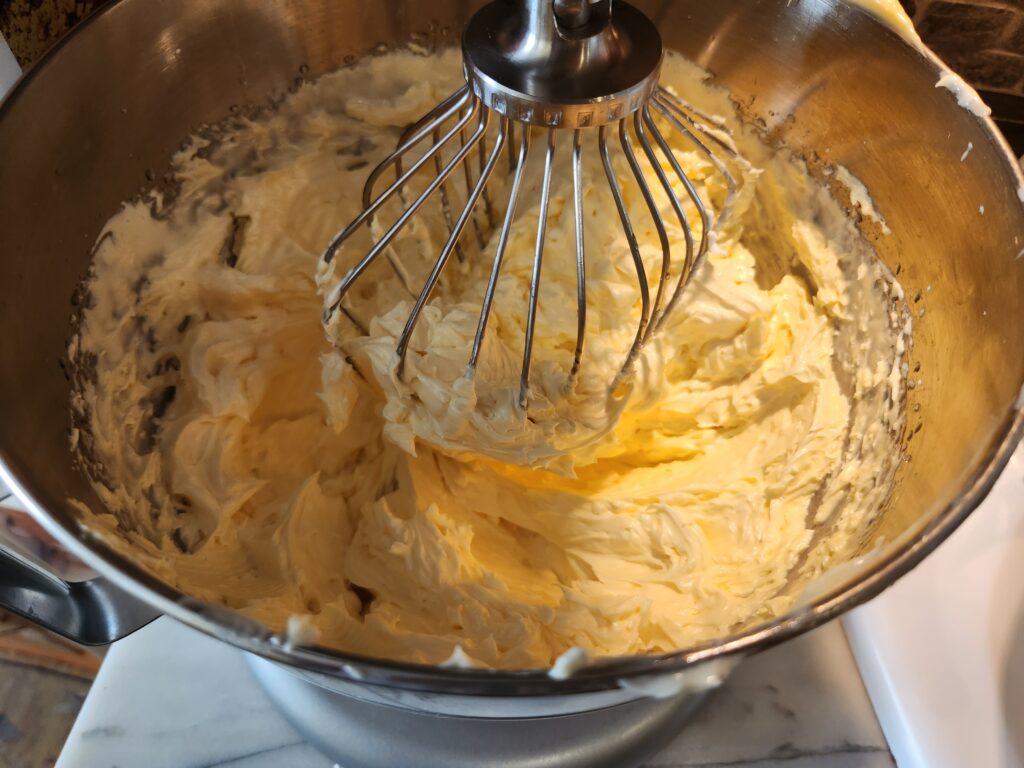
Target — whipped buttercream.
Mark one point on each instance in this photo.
(249, 459)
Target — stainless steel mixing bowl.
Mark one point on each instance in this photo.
(115, 99)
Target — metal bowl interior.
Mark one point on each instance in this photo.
(117, 97)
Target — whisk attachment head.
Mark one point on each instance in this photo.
(550, 74)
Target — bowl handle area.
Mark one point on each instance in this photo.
(92, 612)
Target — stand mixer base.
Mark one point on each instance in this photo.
(358, 734)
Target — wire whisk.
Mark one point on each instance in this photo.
(529, 82)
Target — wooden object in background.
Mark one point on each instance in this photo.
(983, 40)
(43, 682)
(32, 26)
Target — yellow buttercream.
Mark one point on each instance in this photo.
(246, 459)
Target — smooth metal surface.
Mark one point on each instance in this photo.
(93, 612)
(572, 14)
(622, 736)
(626, 140)
(581, 253)
(519, 166)
(538, 260)
(456, 231)
(563, 64)
(644, 125)
(634, 249)
(115, 99)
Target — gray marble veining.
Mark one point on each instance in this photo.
(168, 697)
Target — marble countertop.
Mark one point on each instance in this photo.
(169, 697)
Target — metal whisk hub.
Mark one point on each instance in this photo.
(564, 66)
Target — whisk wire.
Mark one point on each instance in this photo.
(581, 263)
(511, 146)
(336, 296)
(499, 254)
(446, 206)
(557, 67)
(634, 247)
(538, 256)
(652, 207)
(468, 173)
(422, 128)
(371, 209)
(485, 197)
(675, 110)
(677, 206)
(367, 187)
(703, 119)
(691, 191)
(460, 225)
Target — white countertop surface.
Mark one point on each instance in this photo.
(9, 69)
(942, 651)
(169, 697)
